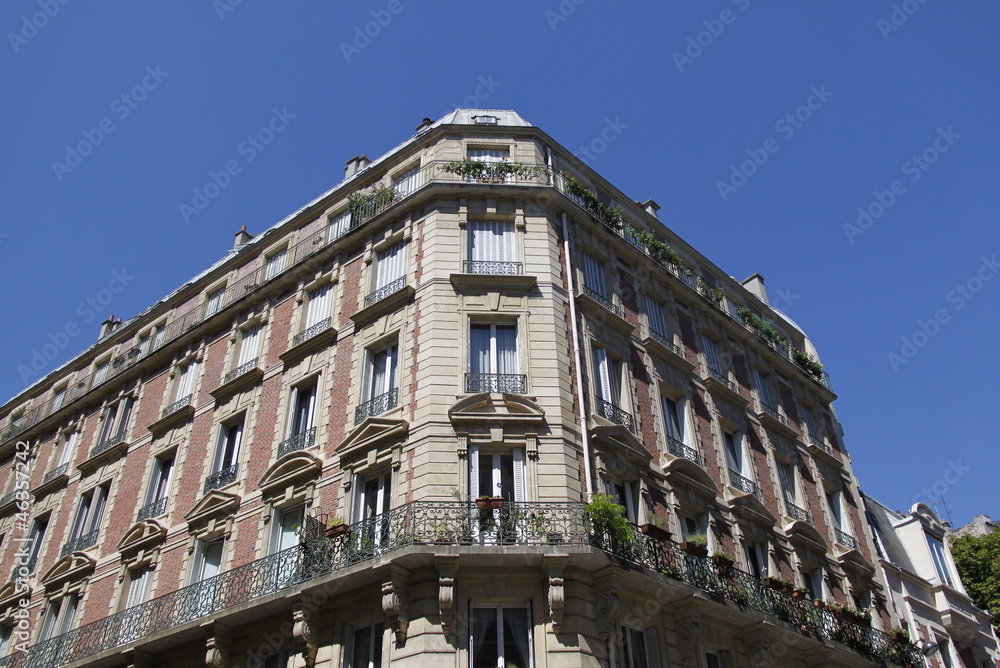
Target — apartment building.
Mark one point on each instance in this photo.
(382, 431)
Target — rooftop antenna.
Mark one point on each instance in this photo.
(942, 502)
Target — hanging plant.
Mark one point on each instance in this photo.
(808, 362)
(493, 172)
(610, 216)
(714, 294)
(373, 200)
(764, 329)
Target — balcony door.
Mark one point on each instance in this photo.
(493, 359)
(497, 473)
(207, 565)
(372, 504)
(491, 246)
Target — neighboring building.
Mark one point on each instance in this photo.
(979, 526)
(463, 317)
(926, 590)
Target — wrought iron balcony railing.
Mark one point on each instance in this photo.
(796, 513)
(821, 445)
(83, 542)
(678, 449)
(493, 267)
(221, 479)
(722, 378)
(300, 441)
(152, 509)
(385, 291)
(426, 523)
(54, 473)
(8, 498)
(310, 332)
(609, 411)
(246, 367)
(376, 406)
(515, 383)
(108, 443)
(602, 300)
(742, 483)
(177, 405)
(846, 539)
(665, 341)
(23, 570)
(764, 408)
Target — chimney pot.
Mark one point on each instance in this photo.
(355, 165)
(424, 124)
(242, 237)
(651, 207)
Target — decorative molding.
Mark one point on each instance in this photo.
(218, 646)
(555, 565)
(395, 597)
(72, 568)
(298, 469)
(304, 630)
(447, 566)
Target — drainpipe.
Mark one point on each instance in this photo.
(575, 341)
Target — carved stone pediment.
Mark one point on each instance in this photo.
(806, 534)
(142, 536)
(493, 408)
(687, 474)
(294, 468)
(214, 505)
(372, 432)
(71, 568)
(10, 594)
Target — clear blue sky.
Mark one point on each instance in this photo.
(885, 85)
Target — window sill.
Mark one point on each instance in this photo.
(506, 282)
(241, 382)
(309, 346)
(179, 416)
(824, 455)
(383, 306)
(605, 316)
(768, 421)
(668, 355)
(95, 461)
(718, 387)
(50, 485)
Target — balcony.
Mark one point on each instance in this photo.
(176, 406)
(601, 300)
(797, 514)
(152, 509)
(772, 419)
(239, 379)
(54, 473)
(52, 480)
(668, 351)
(246, 367)
(83, 542)
(300, 441)
(9, 501)
(108, 449)
(386, 299)
(376, 406)
(176, 413)
(678, 449)
(426, 525)
(224, 477)
(742, 483)
(846, 539)
(21, 571)
(719, 382)
(310, 340)
(386, 290)
(513, 383)
(310, 332)
(610, 412)
(492, 268)
(107, 444)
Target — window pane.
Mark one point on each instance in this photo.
(485, 652)
(515, 636)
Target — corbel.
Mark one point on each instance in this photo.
(554, 566)
(395, 596)
(447, 566)
(218, 646)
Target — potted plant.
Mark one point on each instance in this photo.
(671, 572)
(819, 603)
(778, 584)
(442, 534)
(654, 528)
(723, 562)
(900, 635)
(489, 502)
(607, 521)
(696, 544)
(860, 617)
(799, 593)
(337, 527)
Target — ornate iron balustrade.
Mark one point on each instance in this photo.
(515, 383)
(108, 443)
(310, 332)
(300, 441)
(846, 539)
(821, 445)
(764, 408)
(54, 473)
(493, 267)
(722, 378)
(176, 406)
(376, 406)
(665, 341)
(602, 300)
(246, 367)
(385, 291)
(678, 449)
(8, 498)
(221, 479)
(152, 509)
(609, 411)
(22, 570)
(796, 513)
(83, 542)
(742, 483)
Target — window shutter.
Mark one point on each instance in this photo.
(275, 264)
(593, 275)
(519, 475)
(602, 373)
(347, 646)
(319, 305)
(787, 489)
(339, 225)
(652, 648)
(473, 471)
(250, 344)
(657, 323)
(762, 392)
(711, 354)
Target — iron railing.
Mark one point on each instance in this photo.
(441, 523)
(665, 341)
(515, 383)
(722, 378)
(300, 441)
(742, 483)
(377, 405)
(821, 445)
(846, 539)
(152, 509)
(310, 332)
(246, 367)
(176, 406)
(83, 542)
(108, 443)
(385, 291)
(221, 478)
(678, 449)
(54, 473)
(764, 408)
(796, 513)
(492, 267)
(22, 570)
(602, 300)
(8, 498)
(609, 411)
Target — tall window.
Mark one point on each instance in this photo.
(607, 377)
(138, 584)
(673, 419)
(207, 564)
(500, 637)
(408, 182)
(131, 621)
(65, 448)
(786, 478)
(28, 554)
(87, 523)
(227, 453)
(303, 417)
(57, 401)
(810, 421)
(712, 356)
(836, 512)
(496, 473)
(185, 380)
(640, 649)
(812, 580)
(657, 321)
(390, 265)
(285, 528)
(214, 302)
(734, 452)
(339, 225)
(762, 392)
(159, 485)
(756, 556)
(491, 247)
(593, 275)
(363, 647)
(6, 631)
(493, 359)
(691, 524)
(59, 617)
(318, 306)
(374, 499)
(381, 377)
(115, 421)
(940, 562)
(626, 494)
(275, 264)
(101, 371)
(249, 344)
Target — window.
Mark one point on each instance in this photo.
(131, 621)
(318, 305)
(712, 356)
(6, 631)
(593, 276)
(115, 422)
(940, 562)
(339, 225)
(813, 582)
(64, 449)
(101, 372)
(640, 649)
(657, 321)
(673, 419)
(693, 525)
(273, 660)
(275, 264)
(207, 564)
(362, 648)
(185, 381)
(491, 247)
(227, 454)
(373, 499)
(303, 416)
(489, 155)
(159, 485)
(285, 528)
(756, 556)
(500, 637)
(28, 553)
(379, 390)
(57, 401)
(493, 359)
(138, 583)
(213, 303)
(496, 473)
(607, 377)
(762, 393)
(807, 415)
(734, 452)
(407, 183)
(87, 523)
(249, 345)
(390, 265)
(715, 660)
(59, 617)
(625, 494)
(833, 503)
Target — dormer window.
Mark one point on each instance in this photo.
(485, 120)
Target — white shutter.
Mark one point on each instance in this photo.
(319, 305)
(786, 479)
(593, 275)
(250, 344)
(474, 472)
(654, 310)
(519, 475)
(347, 646)
(339, 226)
(408, 182)
(276, 264)
(602, 373)
(652, 648)
(137, 587)
(186, 381)
(711, 354)
(101, 372)
(390, 265)
(214, 302)
(762, 392)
